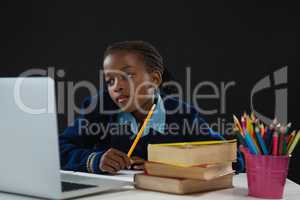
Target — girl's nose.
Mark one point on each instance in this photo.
(119, 85)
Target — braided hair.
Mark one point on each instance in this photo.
(151, 56)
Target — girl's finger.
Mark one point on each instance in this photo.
(109, 169)
(138, 167)
(123, 156)
(112, 163)
(136, 160)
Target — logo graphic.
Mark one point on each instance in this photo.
(281, 95)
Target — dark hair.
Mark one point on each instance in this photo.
(152, 58)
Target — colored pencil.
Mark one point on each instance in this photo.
(294, 143)
(275, 144)
(250, 143)
(291, 138)
(249, 125)
(281, 140)
(261, 141)
(237, 124)
(263, 131)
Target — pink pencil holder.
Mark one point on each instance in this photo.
(266, 175)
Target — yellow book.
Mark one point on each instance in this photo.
(201, 172)
(190, 154)
(181, 186)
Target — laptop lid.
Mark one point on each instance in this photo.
(29, 137)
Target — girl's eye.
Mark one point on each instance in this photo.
(110, 82)
(130, 75)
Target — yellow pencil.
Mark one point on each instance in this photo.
(294, 143)
(238, 125)
(253, 118)
(249, 125)
(292, 136)
(139, 135)
(251, 131)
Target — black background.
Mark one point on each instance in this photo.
(219, 40)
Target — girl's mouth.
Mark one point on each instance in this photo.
(122, 99)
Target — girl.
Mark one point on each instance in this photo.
(134, 74)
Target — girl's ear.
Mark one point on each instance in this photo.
(156, 78)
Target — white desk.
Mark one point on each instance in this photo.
(292, 191)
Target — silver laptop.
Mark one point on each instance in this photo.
(29, 150)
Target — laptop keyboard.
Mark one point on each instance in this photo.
(67, 186)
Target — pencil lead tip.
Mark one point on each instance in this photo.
(278, 125)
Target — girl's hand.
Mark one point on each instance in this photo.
(137, 163)
(113, 161)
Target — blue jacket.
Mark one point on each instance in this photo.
(91, 132)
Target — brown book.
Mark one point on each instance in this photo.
(181, 186)
(203, 172)
(193, 153)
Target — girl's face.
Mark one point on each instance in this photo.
(129, 83)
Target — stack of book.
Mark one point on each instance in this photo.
(183, 168)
